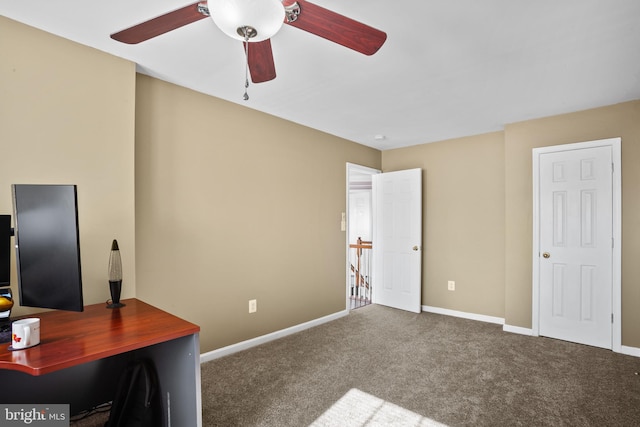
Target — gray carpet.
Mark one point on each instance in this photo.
(380, 366)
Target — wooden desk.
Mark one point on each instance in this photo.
(81, 355)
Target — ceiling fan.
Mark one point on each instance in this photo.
(255, 21)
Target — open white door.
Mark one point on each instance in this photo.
(397, 237)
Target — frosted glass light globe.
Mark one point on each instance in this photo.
(265, 16)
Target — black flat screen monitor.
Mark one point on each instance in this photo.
(47, 244)
(5, 250)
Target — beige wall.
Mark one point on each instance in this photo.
(463, 228)
(233, 205)
(67, 117)
(478, 212)
(621, 120)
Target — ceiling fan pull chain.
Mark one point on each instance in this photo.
(246, 69)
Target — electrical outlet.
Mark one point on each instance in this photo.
(451, 285)
(253, 306)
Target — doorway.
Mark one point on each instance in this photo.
(384, 232)
(359, 228)
(577, 243)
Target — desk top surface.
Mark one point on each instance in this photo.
(70, 338)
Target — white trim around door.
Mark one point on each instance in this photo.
(615, 144)
(355, 173)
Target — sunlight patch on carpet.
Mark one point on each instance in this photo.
(360, 409)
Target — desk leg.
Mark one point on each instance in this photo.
(178, 365)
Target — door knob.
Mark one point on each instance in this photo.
(546, 255)
(416, 248)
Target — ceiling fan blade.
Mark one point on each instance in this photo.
(159, 25)
(261, 63)
(338, 28)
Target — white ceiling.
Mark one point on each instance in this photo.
(449, 68)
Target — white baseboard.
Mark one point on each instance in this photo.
(234, 348)
(517, 330)
(479, 317)
(630, 351)
(463, 314)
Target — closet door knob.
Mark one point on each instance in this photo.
(546, 255)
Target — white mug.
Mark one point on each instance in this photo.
(25, 333)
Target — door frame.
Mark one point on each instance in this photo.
(351, 169)
(616, 270)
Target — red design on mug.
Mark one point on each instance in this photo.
(16, 338)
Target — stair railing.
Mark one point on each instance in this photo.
(360, 260)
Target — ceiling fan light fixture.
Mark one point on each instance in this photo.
(265, 17)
